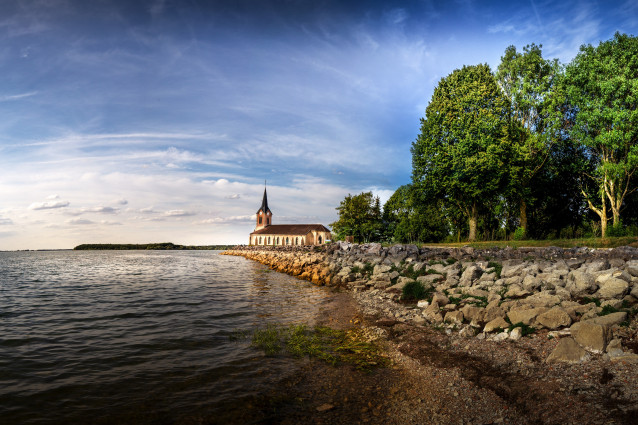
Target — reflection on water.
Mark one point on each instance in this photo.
(136, 336)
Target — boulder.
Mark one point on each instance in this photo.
(472, 312)
(568, 351)
(554, 318)
(609, 319)
(516, 334)
(543, 299)
(591, 336)
(497, 323)
(381, 268)
(455, 317)
(613, 288)
(525, 315)
(470, 274)
(440, 299)
(512, 270)
(429, 279)
(580, 283)
(516, 291)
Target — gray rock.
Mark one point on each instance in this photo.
(471, 312)
(632, 267)
(381, 268)
(470, 274)
(580, 283)
(494, 324)
(613, 288)
(512, 270)
(609, 319)
(516, 334)
(569, 351)
(531, 283)
(440, 299)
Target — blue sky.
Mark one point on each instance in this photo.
(147, 121)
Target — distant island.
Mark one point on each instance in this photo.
(162, 246)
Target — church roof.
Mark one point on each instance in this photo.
(290, 229)
(264, 204)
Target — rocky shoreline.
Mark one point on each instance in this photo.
(557, 325)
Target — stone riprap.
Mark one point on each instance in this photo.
(586, 296)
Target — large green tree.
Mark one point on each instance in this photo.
(412, 216)
(601, 85)
(359, 216)
(527, 80)
(459, 154)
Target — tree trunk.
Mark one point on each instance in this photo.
(523, 216)
(473, 223)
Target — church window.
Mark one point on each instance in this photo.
(259, 219)
(319, 238)
(296, 241)
(277, 243)
(260, 240)
(268, 240)
(287, 241)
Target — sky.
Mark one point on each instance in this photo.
(126, 121)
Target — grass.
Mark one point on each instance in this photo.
(611, 242)
(414, 291)
(525, 329)
(330, 345)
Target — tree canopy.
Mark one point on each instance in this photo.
(360, 217)
(459, 154)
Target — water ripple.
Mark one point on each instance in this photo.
(130, 336)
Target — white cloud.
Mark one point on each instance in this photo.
(79, 221)
(5, 221)
(178, 213)
(7, 98)
(233, 196)
(47, 205)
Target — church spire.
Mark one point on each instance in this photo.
(264, 215)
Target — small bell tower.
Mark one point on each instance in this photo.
(264, 215)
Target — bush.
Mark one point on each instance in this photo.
(617, 230)
(519, 234)
(414, 291)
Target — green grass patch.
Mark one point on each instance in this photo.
(587, 300)
(414, 291)
(498, 267)
(608, 310)
(330, 345)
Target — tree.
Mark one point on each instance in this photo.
(359, 216)
(459, 154)
(412, 216)
(527, 80)
(601, 85)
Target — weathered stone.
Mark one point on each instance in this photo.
(580, 283)
(440, 299)
(531, 283)
(471, 312)
(467, 332)
(554, 318)
(498, 323)
(500, 336)
(569, 351)
(516, 291)
(632, 267)
(470, 274)
(543, 299)
(609, 319)
(590, 336)
(512, 270)
(454, 317)
(491, 312)
(475, 292)
(516, 334)
(429, 279)
(422, 304)
(525, 316)
(381, 268)
(613, 288)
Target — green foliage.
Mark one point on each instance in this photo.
(587, 300)
(149, 246)
(414, 291)
(525, 329)
(617, 230)
(601, 86)
(498, 267)
(608, 310)
(519, 234)
(359, 216)
(458, 156)
(413, 216)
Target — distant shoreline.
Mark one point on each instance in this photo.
(166, 246)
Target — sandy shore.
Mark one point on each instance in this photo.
(436, 378)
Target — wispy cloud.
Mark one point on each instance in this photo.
(7, 98)
(53, 203)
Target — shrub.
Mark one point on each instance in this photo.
(414, 291)
(519, 234)
(617, 230)
(498, 267)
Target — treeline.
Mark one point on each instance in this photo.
(157, 246)
(536, 150)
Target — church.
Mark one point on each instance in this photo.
(267, 233)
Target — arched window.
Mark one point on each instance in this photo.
(260, 240)
(277, 242)
(260, 220)
(319, 238)
(268, 240)
(287, 241)
(267, 221)
(296, 241)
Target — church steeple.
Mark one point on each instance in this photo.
(264, 215)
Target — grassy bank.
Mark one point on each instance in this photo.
(562, 243)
